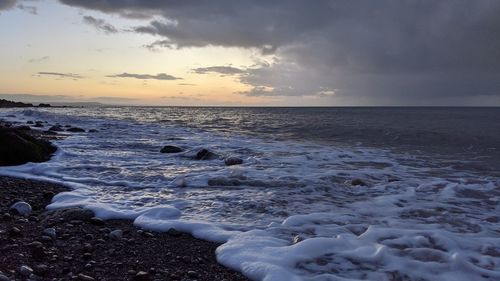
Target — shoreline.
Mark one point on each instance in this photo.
(86, 248)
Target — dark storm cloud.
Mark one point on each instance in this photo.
(161, 76)
(100, 24)
(60, 75)
(7, 4)
(224, 70)
(367, 50)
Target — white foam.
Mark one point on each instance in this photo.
(432, 224)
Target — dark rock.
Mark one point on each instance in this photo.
(192, 274)
(56, 128)
(93, 131)
(84, 277)
(116, 234)
(25, 270)
(358, 182)
(205, 154)
(75, 130)
(233, 161)
(44, 105)
(8, 103)
(39, 124)
(173, 232)
(24, 128)
(14, 231)
(17, 147)
(4, 278)
(142, 276)
(30, 122)
(222, 181)
(71, 214)
(96, 221)
(41, 269)
(171, 149)
(20, 208)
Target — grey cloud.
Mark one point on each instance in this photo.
(161, 76)
(61, 75)
(7, 4)
(33, 60)
(396, 51)
(30, 9)
(100, 24)
(224, 70)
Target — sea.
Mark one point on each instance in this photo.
(324, 193)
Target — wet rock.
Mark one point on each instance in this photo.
(20, 208)
(14, 232)
(142, 276)
(192, 274)
(222, 181)
(44, 105)
(41, 269)
(30, 122)
(75, 130)
(233, 161)
(71, 214)
(39, 124)
(51, 232)
(24, 128)
(297, 239)
(17, 147)
(96, 221)
(84, 277)
(173, 232)
(25, 270)
(205, 154)
(116, 234)
(56, 128)
(171, 149)
(358, 182)
(4, 278)
(93, 131)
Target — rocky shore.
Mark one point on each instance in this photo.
(72, 244)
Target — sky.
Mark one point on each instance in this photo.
(251, 53)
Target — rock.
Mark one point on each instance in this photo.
(24, 128)
(25, 270)
(205, 154)
(14, 231)
(8, 103)
(30, 122)
(142, 276)
(84, 277)
(51, 232)
(173, 232)
(93, 131)
(192, 274)
(20, 208)
(222, 181)
(4, 278)
(39, 124)
(17, 147)
(116, 234)
(75, 130)
(56, 128)
(233, 161)
(44, 105)
(71, 214)
(96, 221)
(41, 269)
(171, 149)
(358, 182)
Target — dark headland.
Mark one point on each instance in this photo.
(71, 244)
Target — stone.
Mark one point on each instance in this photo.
(75, 130)
(358, 182)
(20, 208)
(142, 276)
(173, 232)
(18, 147)
(205, 154)
(93, 131)
(51, 232)
(84, 277)
(41, 269)
(14, 231)
(71, 214)
(171, 149)
(192, 274)
(297, 239)
(96, 221)
(56, 128)
(116, 234)
(25, 270)
(4, 278)
(222, 181)
(233, 161)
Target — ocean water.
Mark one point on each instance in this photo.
(429, 209)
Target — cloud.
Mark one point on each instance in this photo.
(40, 59)
(61, 75)
(100, 24)
(224, 70)
(369, 51)
(30, 9)
(161, 76)
(7, 4)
